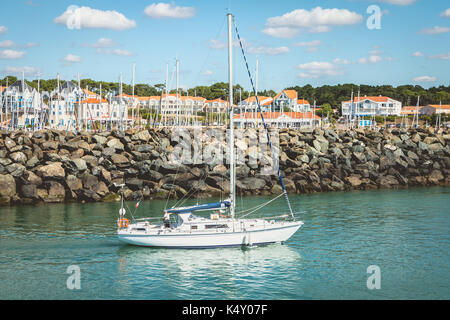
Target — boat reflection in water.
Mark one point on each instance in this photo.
(226, 273)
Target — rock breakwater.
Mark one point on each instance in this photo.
(57, 166)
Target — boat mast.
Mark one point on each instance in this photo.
(59, 103)
(230, 101)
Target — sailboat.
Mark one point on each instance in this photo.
(221, 228)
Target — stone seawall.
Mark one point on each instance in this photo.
(56, 166)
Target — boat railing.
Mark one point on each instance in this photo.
(150, 218)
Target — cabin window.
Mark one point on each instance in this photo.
(215, 226)
(194, 227)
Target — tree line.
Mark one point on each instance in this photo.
(406, 94)
(327, 94)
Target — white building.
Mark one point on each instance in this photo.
(62, 112)
(277, 120)
(20, 106)
(435, 108)
(250, 104)
(215, 106)
(371, 106)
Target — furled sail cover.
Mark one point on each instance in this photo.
(208, 206)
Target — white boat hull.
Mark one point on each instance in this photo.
(277, 233)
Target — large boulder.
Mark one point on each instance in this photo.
(9, 143)
(54, 170)
(7, 185)
(16, 169)
(79, 164)
(142, 135)
(115, 144)
(119, 159)
(74, 183)
(29, 191)
(56, 192)
(18, 157)
(354, 181)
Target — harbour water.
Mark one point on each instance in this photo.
(406, 233)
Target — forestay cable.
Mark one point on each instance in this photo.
(275, 160)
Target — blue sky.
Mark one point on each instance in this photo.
(296, 42)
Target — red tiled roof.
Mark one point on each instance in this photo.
(94, 101)
(372, 98)
(264, 101)
(260, 98)
(291, 94)
(89, 92)
(302, 101)
(437, 106)
(276, 115)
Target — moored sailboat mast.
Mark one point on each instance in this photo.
(230, 99)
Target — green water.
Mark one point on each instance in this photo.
(404, 232)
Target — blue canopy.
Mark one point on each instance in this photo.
(208, 206)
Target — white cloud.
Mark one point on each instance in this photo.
(124, 53)
(341, 61)
(311, 46)
(312, 49)
(316, 20)
(317, 69)
(30, 71)
(11, 54)
(208, 73)
(446, 13)
(376, 52)
(281, 32)
(89, 18)
(164, 10)
(31, 45)
(218, 44)
(104, 43)
(319, 29)
(398, 2)
(3, 29)
(371, 59)
(314, 43)
(435, 30)
(424, 79)
(268, 51)
(7, 44)
(442, 56)
(71, 58)
(117, 52)
(10, 44)
(418, 54)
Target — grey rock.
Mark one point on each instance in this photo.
(8, 185)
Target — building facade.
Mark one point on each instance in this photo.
(371, 106)
(277, 120)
